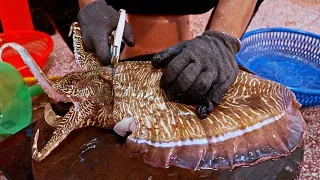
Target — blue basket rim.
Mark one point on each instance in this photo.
(280, 29)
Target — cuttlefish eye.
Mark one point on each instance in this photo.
(61, 108)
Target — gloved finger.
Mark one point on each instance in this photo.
(86, 42)
(204, 110)
(161, 59)
(227, 63)
(201, 86)
(128, 37)
(122, 46)
(173, 70)
(213, 98)
(102, 48)
(184, 80)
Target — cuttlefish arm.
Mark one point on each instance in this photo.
(87, 61)
(80, 86)
(80, 115)
(50, 116)
(43, 80)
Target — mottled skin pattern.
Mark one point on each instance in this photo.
(90, 92)
(257, 119)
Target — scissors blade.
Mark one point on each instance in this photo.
(116, 44)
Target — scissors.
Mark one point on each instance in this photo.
(116, 40)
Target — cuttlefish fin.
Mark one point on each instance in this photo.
(76, 118)
(43, 80)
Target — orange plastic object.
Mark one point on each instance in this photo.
(153, 33)
(15, 15)
(38, 44)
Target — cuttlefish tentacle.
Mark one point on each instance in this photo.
(96, 112)
(74, 119)
(45, 83)
(81, 86)
(71, 85)
(85, 60)
(87, 89)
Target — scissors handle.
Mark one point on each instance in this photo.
(120, 28)
(117, 38)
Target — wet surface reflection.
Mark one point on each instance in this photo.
(94, 153)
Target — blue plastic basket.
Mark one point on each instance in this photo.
(288, 56)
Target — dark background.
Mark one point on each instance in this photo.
(57, 15)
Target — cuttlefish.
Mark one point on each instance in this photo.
(256, 120)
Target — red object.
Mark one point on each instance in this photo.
(15, 15)
(17, 25)
(38, 44)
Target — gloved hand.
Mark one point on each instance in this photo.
(97, 21)
(199, 71)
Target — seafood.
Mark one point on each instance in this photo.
(257, 119)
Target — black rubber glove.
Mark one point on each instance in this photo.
(199, 71)
(97, 21)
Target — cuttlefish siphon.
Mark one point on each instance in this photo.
(257, 119)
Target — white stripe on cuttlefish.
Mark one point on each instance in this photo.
(202, 141)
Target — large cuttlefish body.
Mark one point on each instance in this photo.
(257, 119)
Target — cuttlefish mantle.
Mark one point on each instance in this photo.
(257, 119)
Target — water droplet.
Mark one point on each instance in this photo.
(289, 169)
(90, 145)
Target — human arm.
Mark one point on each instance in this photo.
(83, 3)
(232, 16)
